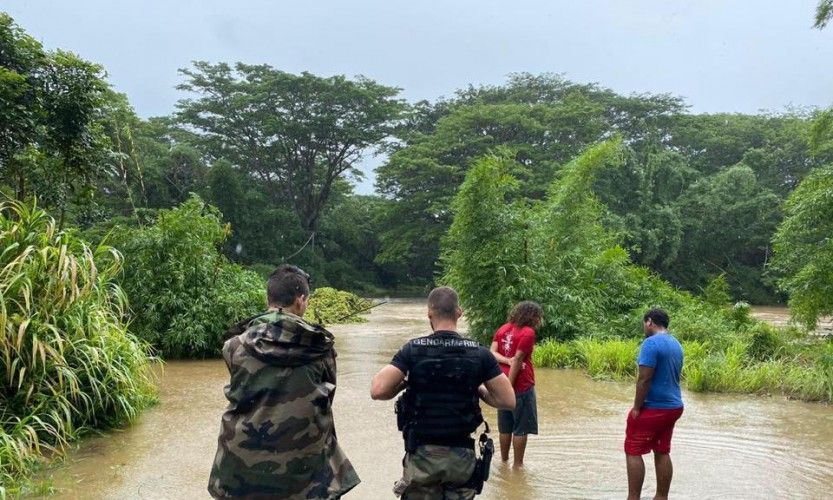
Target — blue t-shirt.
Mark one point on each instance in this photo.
(663, 353)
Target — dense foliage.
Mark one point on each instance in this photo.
(67, 361)
(555, 251)
(687, 180)
(183, 292)
(824, 12)
(698, 195)
(804, 247)
(51, 111)
(558, 253)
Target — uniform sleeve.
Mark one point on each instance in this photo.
(489, 364)
(527, 341)
(647, 355)
(402, 359)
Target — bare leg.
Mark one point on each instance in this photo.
(662, 462)
(518, 449)
(636, 475)
(505, 444)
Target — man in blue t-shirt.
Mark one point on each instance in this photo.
(657, 405)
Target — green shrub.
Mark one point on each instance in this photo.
(764, 342)
(329, 306)
(67, 361)
(716, 292)
(553, 354)
(741, 315)
(183, 292)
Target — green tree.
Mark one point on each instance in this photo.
(52, 143)
(22, 59)
(824, 12)
(544, 119)
(803, 243)
(297, 134)
(183, 292)
(728, 220)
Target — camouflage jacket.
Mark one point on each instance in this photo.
(277, 436)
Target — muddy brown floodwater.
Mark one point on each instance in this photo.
(724, 446)
(780, 316)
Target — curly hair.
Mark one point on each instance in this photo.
(526, 313)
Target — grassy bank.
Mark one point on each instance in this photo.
(759, 359)
(67, 362)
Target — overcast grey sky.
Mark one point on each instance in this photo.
(721, 55)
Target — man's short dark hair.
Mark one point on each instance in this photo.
(443, 301)
(657, 317)
(286, 283)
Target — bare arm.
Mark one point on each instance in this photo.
(643, 383)
(387, 383)
(498, 356)
(515, 365)
(498, 392)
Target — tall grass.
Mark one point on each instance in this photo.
(67, 362)
(761, 360)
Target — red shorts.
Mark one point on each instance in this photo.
(651, 431)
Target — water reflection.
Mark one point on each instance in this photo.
(725, 446)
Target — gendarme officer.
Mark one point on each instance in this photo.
(447, 375)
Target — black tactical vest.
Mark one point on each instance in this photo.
(441, 404)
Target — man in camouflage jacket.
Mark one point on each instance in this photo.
(277, 436)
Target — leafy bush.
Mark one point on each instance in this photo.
(183, 292)
(716, 292)
(329, 306)
(764, 342)
(67, 361)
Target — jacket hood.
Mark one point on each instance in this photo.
(280, 338)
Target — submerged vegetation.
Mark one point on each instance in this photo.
(329, 306)
(67, 360)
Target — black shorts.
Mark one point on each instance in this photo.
(524, 419)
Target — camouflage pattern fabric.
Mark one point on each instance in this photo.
(434, 472)
(277, 435)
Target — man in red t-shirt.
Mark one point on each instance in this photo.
(512, 347)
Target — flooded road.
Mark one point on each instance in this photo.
(724, 446)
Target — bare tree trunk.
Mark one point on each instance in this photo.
(21, 186)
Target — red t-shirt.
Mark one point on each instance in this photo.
(510, 339)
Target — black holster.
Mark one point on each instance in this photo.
(401, 413)
(483, 463)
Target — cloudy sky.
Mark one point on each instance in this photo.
(721, 55)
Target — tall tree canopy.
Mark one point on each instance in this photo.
(52, 106)
(544, 120)
(297, 134)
